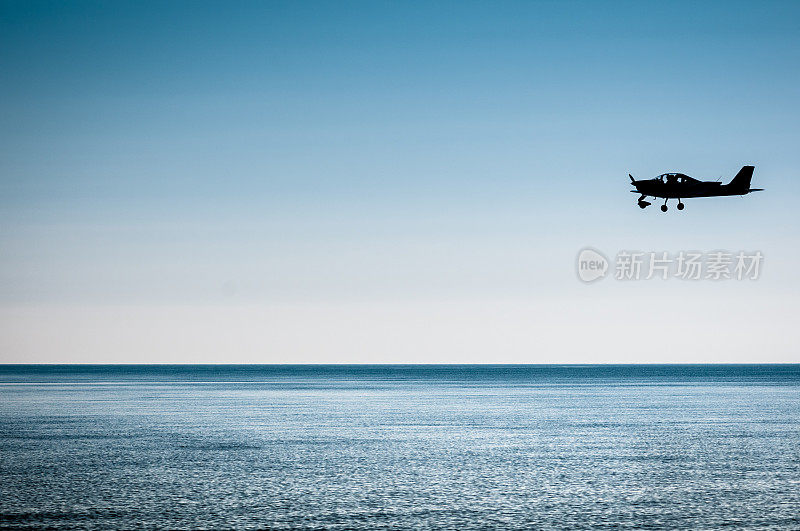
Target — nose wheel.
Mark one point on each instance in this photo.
(680, 205)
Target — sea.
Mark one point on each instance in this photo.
(399, 446)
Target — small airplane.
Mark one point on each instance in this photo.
(678, 186)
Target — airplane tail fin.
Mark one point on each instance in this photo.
(741, 183)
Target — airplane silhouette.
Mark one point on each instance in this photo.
(678, 185)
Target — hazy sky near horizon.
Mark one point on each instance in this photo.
(378, 182)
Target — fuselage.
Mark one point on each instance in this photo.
(680, 186)
(656, 188)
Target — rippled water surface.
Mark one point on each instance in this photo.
(400, 447)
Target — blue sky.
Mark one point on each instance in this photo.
(388, 181)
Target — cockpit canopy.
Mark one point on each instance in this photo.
(675, 178)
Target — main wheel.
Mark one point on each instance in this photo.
(680, 206)
(663, 208)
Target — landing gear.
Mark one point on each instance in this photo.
(644, 204)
